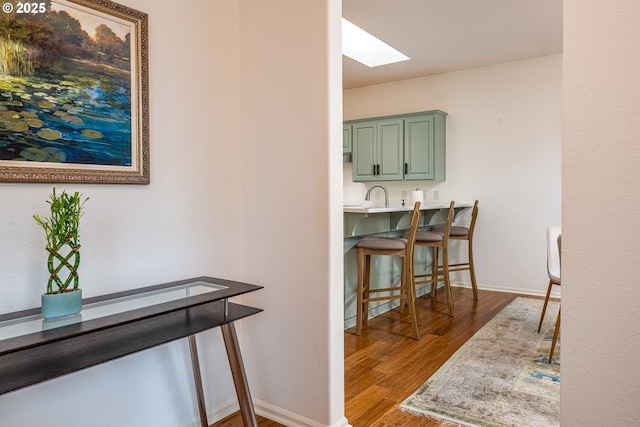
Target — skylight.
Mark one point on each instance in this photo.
(367, 49)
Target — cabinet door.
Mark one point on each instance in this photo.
(390, 150)
(346, 139)
(364, 145)
(419, 149)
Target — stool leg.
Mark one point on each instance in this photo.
(403, 279)
(412, 284)
(434, 271)
(410, 292)
(359, 304)
(367, 287)
(472, 271)
(447, 282)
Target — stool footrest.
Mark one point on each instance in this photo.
(384, 298)
(399, 288)
(458, 265)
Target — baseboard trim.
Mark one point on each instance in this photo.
(554, 292)
(290, 419)
(263, 409)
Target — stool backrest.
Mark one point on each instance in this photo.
(413, 230)
(474, 216)
(447, 228)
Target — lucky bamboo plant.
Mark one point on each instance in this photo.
(62, 231)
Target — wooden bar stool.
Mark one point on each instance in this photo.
(405, 291)
(465, 233)
(437, 240)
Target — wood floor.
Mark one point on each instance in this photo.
(385, 365)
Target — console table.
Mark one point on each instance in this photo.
(33, 349)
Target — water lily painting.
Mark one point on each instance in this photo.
(73, 92)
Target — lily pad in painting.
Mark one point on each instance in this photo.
(34, 123)
(75, 120)
(90, 133)
(48, 154)
(15, 126)
(50, 134)
(9, 115)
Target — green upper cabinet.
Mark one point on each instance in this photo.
(409, 147)
(390, 150)
(378, 147)
(424, 147)
(346, 139)
(364, 139)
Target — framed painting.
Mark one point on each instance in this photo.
(74, 102)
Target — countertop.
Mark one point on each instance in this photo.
(377, 209)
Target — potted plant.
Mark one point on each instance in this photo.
(62, 234)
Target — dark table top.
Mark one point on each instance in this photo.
(33, 349)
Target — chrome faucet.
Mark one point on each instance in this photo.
(386, 195)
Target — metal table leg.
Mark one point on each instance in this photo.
(195, 365)
(239, 376)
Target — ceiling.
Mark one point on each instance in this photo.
(448, 35)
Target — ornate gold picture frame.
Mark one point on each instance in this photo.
(74, 92)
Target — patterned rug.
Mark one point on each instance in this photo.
(500, 377)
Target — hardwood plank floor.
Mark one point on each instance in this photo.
(385, 365)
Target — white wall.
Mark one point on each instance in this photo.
(601, 212)
(292, 219)
(133, 236)
(504, 136)
(227, 111)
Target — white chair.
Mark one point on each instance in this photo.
(554, 234)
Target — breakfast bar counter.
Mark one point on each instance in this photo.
(406, 208)
(361, 221)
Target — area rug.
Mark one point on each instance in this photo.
(501, 376)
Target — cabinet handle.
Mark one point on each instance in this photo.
(374, 169)
(377, 169)
(406, 168)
